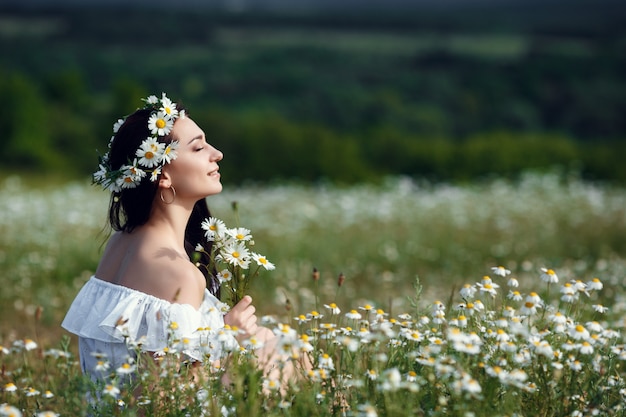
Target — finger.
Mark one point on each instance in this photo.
(243, 303)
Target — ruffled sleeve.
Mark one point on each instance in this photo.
(113, 313)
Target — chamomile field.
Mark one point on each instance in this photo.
(491, 298)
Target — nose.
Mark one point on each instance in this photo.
(217, 155)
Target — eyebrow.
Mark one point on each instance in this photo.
(196, 138)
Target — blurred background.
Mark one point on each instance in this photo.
(339, 91)
(384, 140)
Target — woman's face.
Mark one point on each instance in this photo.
(194, 173)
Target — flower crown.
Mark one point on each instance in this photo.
(151, 155)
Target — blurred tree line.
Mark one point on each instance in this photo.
(322, 98)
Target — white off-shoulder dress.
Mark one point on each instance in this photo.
(111, 320)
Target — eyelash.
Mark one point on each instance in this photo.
(199, 149)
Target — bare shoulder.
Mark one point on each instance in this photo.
(147, 264)
(179, 281)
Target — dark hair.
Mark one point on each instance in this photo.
(131, 207)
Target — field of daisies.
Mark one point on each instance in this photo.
(499, 298)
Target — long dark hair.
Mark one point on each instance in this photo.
(131, 207)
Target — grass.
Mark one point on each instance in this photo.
(381, 238)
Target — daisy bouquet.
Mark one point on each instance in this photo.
(232, 259)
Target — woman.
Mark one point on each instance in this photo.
(159, 169)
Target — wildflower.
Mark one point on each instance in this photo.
(150, 152)
(468, 291)
(30, 344)
(111, 390)
(262, 261)
(314, 315)
(253, 343)
(513, 282)
(304, 345)
(48, 394)
(367, 307)
(102, 366)
(353, 315)
(168, 107)
(125, 369)
(600, 308)
(469, 384)
(575, 365)
(500, 270)
(414, 336)
(371, 374)
(534, 297)
(326, 362)
(529, 308)
(160, 124)
(380, 314)
(284, 404)
(240, 234)
(224, 276)
(586, 348)
(237, 254)
(284, 331)
(271, 384)
(302, 319)
(549, 276)
(31, 392)
(579, 332)
(514, 295)
(214, 228)
(333, 308)
(10, 387)
(502, 336)
(488, 286)
(544, 348)
(569, 293)
(594, 326)
(595, 284)
(9, 411)
(47, 414)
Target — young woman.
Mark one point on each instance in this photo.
(159, 170)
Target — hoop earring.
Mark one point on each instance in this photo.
(173, 195)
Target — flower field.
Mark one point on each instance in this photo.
(489, 299)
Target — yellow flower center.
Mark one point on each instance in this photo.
(160, 123)
(149, 155)
(580, 328)
(236, 254)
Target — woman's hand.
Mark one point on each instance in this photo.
(242, 316)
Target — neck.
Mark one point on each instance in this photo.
(170, 221)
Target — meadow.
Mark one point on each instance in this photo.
(438, 325)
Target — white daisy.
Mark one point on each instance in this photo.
(169, 154)
(500, 270)
(237, 254)
(168, 107)
(262, 261)
(111, 390)
(549, 276)
(150, 153)
(160, 124)
(214, 228)
(117, 125)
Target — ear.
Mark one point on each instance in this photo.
(165, 180)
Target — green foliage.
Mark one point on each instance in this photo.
(319, 102)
